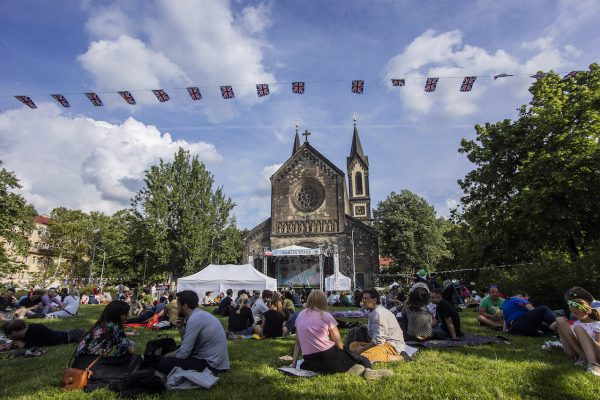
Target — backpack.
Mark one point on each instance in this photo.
(139, 382)
(156, 349)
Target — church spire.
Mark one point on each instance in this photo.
(297, 140)
(357, 149)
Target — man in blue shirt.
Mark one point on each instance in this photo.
(522, 318)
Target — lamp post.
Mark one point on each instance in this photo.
(96, 230)
(102, 270)
(145, 264)
(353, 264)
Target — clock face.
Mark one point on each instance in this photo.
(360, 210)
(308, 195)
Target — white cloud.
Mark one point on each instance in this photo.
(197, 42)
(79, 162)
(109, 23)
(127, 63)
(445, 55)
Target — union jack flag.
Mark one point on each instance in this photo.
(398, 82)
(570, 75)
(358, 86)
(227, 92)
(194, 93)
(467, 84)
(262, 89)
(127, 97)
(61, 99)
(161, 95)
(298, 87)
(502, 75)
(431, 84)
(538, 75)
(26, 100)
(94, 98)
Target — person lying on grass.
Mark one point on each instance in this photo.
(490, 309)
(386, 337)
(204, 344)
(25, 335)
(581, 340)
(521, 318)
(446, 325)
(273, 320)
(318, 340)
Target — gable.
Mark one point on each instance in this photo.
(307, 151)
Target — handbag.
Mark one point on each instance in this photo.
(75, 378)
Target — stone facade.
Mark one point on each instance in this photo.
(311, 207)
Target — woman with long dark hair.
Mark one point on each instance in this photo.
(107, 336)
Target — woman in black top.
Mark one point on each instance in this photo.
(273, 320)
(38, 335)
(240, 318)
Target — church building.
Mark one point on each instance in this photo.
(313, 207)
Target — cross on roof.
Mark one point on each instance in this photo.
(306, 134)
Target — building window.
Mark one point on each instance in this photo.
(358, 183)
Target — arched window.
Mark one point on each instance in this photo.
(358, 183)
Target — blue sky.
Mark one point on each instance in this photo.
(94, 158)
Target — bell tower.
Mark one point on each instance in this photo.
(358, 180)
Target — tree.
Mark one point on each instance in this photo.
(536, 183)
(16, 222)
(409, 231)
(188, 223)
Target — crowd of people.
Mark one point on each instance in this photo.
(425, 312)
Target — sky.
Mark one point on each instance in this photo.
(94, 158)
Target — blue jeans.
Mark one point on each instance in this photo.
(531, 322)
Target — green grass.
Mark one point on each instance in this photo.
(521, 370)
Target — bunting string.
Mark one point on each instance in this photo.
(262, 89)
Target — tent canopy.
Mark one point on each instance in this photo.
(338, 282)
(219, 278)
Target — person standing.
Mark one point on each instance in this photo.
(204, 344)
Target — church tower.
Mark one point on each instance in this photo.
(358, 180)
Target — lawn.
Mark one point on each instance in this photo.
(521, 370)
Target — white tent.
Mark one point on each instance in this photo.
(338, 282)
(219, 278)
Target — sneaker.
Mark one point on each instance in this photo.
(356, 369)
(593, 368)
(376, 374)
(580, 363)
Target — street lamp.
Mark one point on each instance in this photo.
(102, 270)
(96, 230)
(145, 264)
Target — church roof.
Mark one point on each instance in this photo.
(316, 153)
(357, 150)
(296, 144)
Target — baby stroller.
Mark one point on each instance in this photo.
(452, 293)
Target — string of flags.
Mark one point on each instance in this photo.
(262, 90)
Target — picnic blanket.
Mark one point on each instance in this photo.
(466, 340)
(350, 314)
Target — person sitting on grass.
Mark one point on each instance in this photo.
(207, 300)
(8, 300)
(566, 333)
(333, 299)
(225, 303)
(386, 340)
(318, 340)
(70, 306)
(416, 320)
(30, 306)
(521, 318)
(391, 300)
(447, 322)
(288, 304)
(107, 338)
(260, 306)
(84, 299)
(345, 299)
(240, 318)
(25, 335)
(51, 301)
(490, 309)
(273, 320)
(204, 344)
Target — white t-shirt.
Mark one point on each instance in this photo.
(592, 328)
(258, 309)
(71, 304)
(333, 298)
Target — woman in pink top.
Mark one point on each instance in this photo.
(319, 340)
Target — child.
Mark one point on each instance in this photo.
(584, 340)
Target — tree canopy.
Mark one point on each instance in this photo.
(536, 185)
(409, 231)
